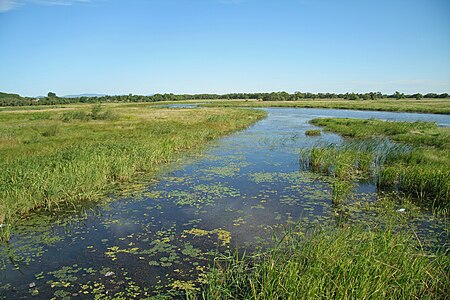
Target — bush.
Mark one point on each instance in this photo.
(97, 113)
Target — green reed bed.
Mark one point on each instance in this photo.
(350, 162)
(433, 106)
(333, 263)
(62, 156)
(417, 163)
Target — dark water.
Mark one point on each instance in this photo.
(161, 237)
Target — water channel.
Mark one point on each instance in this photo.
(164, 233)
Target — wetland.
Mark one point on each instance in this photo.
(198, 226)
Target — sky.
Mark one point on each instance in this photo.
(223, 46)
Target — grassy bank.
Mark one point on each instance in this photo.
(76, 153)
(333, 263)
(433, 106)
(417, 165)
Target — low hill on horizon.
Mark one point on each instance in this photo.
(84, 95)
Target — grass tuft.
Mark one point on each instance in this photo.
(312, 132)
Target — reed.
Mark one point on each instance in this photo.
(416, 162)
(422, 182)
(333, 263)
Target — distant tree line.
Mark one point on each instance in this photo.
(52, 99)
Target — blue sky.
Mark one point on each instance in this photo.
(221, 46)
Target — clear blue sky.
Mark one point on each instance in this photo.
(221, 46)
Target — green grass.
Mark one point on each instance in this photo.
(433, 106)
(76, 153)
(333, 263)
(414, 133)
(312, 132)
(417, 165)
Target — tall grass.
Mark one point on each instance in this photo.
(86, 157)
(418, 164)
(333, 263)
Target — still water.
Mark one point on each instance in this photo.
(162, 236)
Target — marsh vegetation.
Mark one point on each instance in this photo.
(312, 132)
(63, 156)
(340, 263)
(244, 219)
(416, 162)
(370, 251)
(434, 106)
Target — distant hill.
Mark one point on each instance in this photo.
(84, 95)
